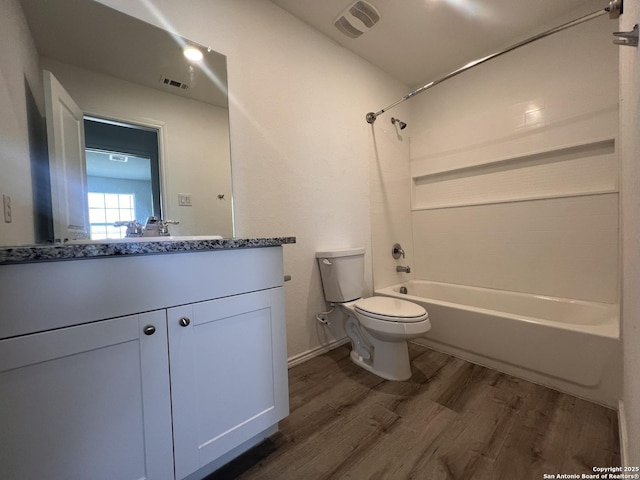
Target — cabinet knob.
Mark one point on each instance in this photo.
(184, 322)
(149, 330)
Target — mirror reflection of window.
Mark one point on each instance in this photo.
(107, 208)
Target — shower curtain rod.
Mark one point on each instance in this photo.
(614, 9)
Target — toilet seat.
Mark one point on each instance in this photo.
(390, 310)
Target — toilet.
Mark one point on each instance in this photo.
(378, 327)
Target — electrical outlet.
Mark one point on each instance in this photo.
(6, 203)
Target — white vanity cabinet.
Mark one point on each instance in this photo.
(108, 393)
(221, 362)
(90, 401)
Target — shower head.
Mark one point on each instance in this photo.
(400, 123)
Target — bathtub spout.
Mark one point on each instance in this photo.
(402, 269)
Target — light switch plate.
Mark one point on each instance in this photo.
(184, 199)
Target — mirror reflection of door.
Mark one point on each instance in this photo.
(65, 137)
(123, 175)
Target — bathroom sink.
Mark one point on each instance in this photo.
(171, 238)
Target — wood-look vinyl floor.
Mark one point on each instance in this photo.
(451, 420)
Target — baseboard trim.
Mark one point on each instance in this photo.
(622, 431)
(314, 352)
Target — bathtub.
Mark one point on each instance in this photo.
(571, 345)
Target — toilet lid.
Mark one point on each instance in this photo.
(391, 309)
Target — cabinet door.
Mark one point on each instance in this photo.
(228, 374)
(87, 402)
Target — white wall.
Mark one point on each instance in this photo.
(195, 143)
(514, 168)
(300, 145)
(18, 61)
(630, 126)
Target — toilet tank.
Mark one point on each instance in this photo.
(342, 273)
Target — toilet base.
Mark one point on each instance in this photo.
(390, 360)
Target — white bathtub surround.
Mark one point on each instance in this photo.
(514, 171)
(569, 345)
(564, 247)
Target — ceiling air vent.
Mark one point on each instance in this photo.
(117, 157)
(174, 83)
(357, 19)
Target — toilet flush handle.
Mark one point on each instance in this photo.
(326, 261)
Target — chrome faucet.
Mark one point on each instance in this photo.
(134, 228)
(402, 269)
(164, 226)
(397, 251)
(156, 227)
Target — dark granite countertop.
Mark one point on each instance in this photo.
(52, 253)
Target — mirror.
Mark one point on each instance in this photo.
(124, 72)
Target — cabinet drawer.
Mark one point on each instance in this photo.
(75, 292)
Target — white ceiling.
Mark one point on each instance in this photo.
(134, 168)
(417, 41)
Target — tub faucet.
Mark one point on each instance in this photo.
(402, 269)
(397, 251)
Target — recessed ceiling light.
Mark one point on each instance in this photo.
(192, 53)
